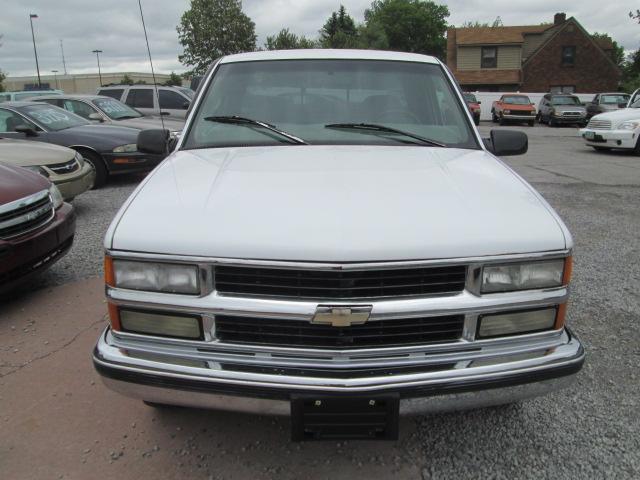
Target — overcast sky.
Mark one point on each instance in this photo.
(114, 27)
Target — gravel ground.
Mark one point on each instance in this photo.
(587, 431)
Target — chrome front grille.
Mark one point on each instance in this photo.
(339, 284)
(64, 168)
(25, 215)
(572, 114)
(597, 124)
(372, 334)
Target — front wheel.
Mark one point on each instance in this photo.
(98, 165)
(501, 120)
(494, 117)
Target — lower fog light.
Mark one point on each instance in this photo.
(514, 323)
(160, 324)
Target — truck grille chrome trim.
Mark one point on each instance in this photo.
(597, 124)
(339, 284)
(26, 215)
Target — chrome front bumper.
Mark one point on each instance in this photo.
(473, 377)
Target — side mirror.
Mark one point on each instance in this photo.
(96, 117)
(185, 105)
(154, 141)
(27, 130)
(503, 143)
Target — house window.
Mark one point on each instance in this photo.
(489, 57)
(568, 55)
(563, 89)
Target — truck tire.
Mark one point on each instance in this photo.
(494, 118)
(501, 120)
(552, 122)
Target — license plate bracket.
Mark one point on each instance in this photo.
(367, 417)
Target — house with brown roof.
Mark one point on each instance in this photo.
(557, 57)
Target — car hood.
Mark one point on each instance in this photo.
(24, 153)
(335, 203)
(144, 123)
(102, 136)
(17, 183)
(569, 108)
(619, 116)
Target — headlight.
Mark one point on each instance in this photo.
(514, 323)
(37, 169)
(525, 276)
(161, 324)
(56, 196)
(507, 112)
(131, 147)
(629, 125)
(155, 277)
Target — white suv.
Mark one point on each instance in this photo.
(170, 101)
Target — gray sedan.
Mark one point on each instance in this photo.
(102, 109)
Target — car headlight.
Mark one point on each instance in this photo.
(131, 147)
(152, 277)
(525, 276)
(631, 125)
(56, 196)
(37, 169)
(507, 112)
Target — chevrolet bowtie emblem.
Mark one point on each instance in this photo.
(341, 316)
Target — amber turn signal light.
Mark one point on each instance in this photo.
(568, 270)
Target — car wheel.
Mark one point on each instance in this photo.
(494, 117)
(539, 118)
(552, 122)
(476, 120)
(636, 149)
(501, 120)
(98, 165)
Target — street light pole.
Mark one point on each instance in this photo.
(55, 76)
(33, 37)
(98, 52)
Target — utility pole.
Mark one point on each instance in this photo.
(64, 64)
(55, 76)
(98, 52)
(33, 37)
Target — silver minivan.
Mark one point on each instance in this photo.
(170, 101)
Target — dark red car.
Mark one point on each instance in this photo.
(474, 106)
(36, 226)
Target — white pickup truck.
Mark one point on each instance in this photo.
(331, 239)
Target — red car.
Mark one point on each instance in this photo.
(36, 226)
(474, 106)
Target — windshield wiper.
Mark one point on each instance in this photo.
(373, 127)
(237, 120)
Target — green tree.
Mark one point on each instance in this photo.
(417, 26)
(126, 80)
(174, 79)
(285, 40)
(635, 15)
(212, 28)
(2, 75)
(339, 31)
(371, 36)
(631, 72)
(476, 24)
(617, 54)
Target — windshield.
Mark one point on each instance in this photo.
(470, 97)
(565, 101)
(115, 109)
(300, 97)
(516, 100)
(187, 91)
(53, 118)
(614, 99)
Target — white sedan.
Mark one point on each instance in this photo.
(616, 130)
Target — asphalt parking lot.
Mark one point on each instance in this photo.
(58, 421)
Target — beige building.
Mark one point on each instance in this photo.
(78, 83)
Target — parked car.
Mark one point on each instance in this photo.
(333, 239)
(561, 109)
(63, 166)
(619, 129)
(607, 102)
(474, 106)
(26, 95)
(101, 109)
(169, 101)
(36, 226)
(513, 108)
(109, 149)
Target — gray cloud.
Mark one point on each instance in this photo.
(114, 27)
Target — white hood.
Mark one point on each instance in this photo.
(335, 204)
(619, 116)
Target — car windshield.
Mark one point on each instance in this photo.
(302, 97)
(187, 91)
(115, 109)
(470, 97)
(565, 101)
(516, 100)
(53, 118)
(614, 99)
